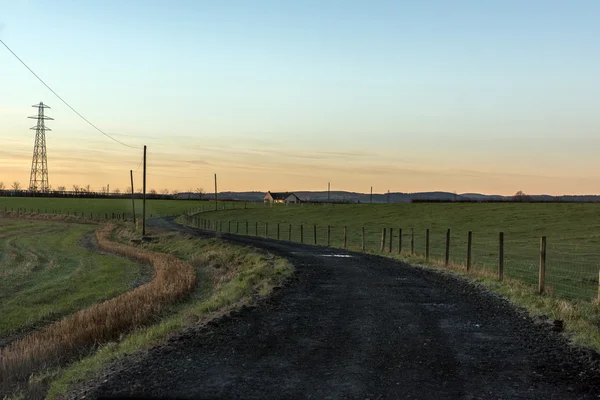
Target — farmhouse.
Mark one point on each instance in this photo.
(281, 198)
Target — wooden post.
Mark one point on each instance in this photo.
(144, 201)
(301, 233)
(391, 238)
(216, 197)
(412, 241)
(345, 236)
(399, 240)
(246, 227)
(542, 280)
(382, 239)
(229, 227)
(220, 226)
(278, 231)
(469, 249)
(447, 261)
(427, 245)
(501, 256)
(363, 238)
(328, 235)
(598, 285)
(290, 233)
(256, 228)
(315, 233)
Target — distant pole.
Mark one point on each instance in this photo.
(132, 195)
(144, 202)
(216, 197)
(388, 196)
(328, 191)
(371, 197)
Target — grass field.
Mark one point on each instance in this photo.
(100, 208)
(45, 273)
(572, 230)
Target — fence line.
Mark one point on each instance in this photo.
(573, 277)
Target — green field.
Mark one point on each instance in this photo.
(46, 273)
(101, 208)
(572, 230)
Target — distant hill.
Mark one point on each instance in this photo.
(393, 197)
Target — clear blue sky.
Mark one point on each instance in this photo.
(487, 96)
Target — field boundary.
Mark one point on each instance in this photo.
(78, 333)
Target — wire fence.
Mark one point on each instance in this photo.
(566, 268)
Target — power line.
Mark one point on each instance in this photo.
(61, 99)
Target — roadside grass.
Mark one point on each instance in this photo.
(79, 333)
(581, 318)
(228, 276)
(99, 208)
(45, 273)
(572, 231)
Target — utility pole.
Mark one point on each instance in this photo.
(132, 195)
(38, 179)
(216, 196)
(371, 198)
(328, 191)
(388, 196)
(144, 202)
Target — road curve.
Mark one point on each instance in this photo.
(357, 326)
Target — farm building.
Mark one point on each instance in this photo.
(281, 198)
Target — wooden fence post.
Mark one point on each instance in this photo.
(469, 249)
(501, 256)
(315, 233)
(363, 238)
(278, 231)
(391, 238)
(427, 245)
(447, 247)
(382, 239)
(290, 233)
(328, 235)
(412, 241)
(542, 280)
(399, 240)
(246, 227)
(345, 236)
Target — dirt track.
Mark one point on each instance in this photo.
(363, 326)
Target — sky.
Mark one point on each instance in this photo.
(463, 96)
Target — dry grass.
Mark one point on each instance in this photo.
(80, 333)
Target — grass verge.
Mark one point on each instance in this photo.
(80, 333)
(581, 318)
(228, 277)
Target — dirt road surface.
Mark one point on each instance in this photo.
(357, 326)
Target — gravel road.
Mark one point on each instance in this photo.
(356, 326)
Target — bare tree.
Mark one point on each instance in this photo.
(164, 191)
(104, 190)
(117, 191)
(200, 193)
(16, 185)
(128, 189)
(152, 191)
(521, 196)
(175, 191)
(139, 190)
(87, 188)
(1, 185)
(76, 189)
(61, 188)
